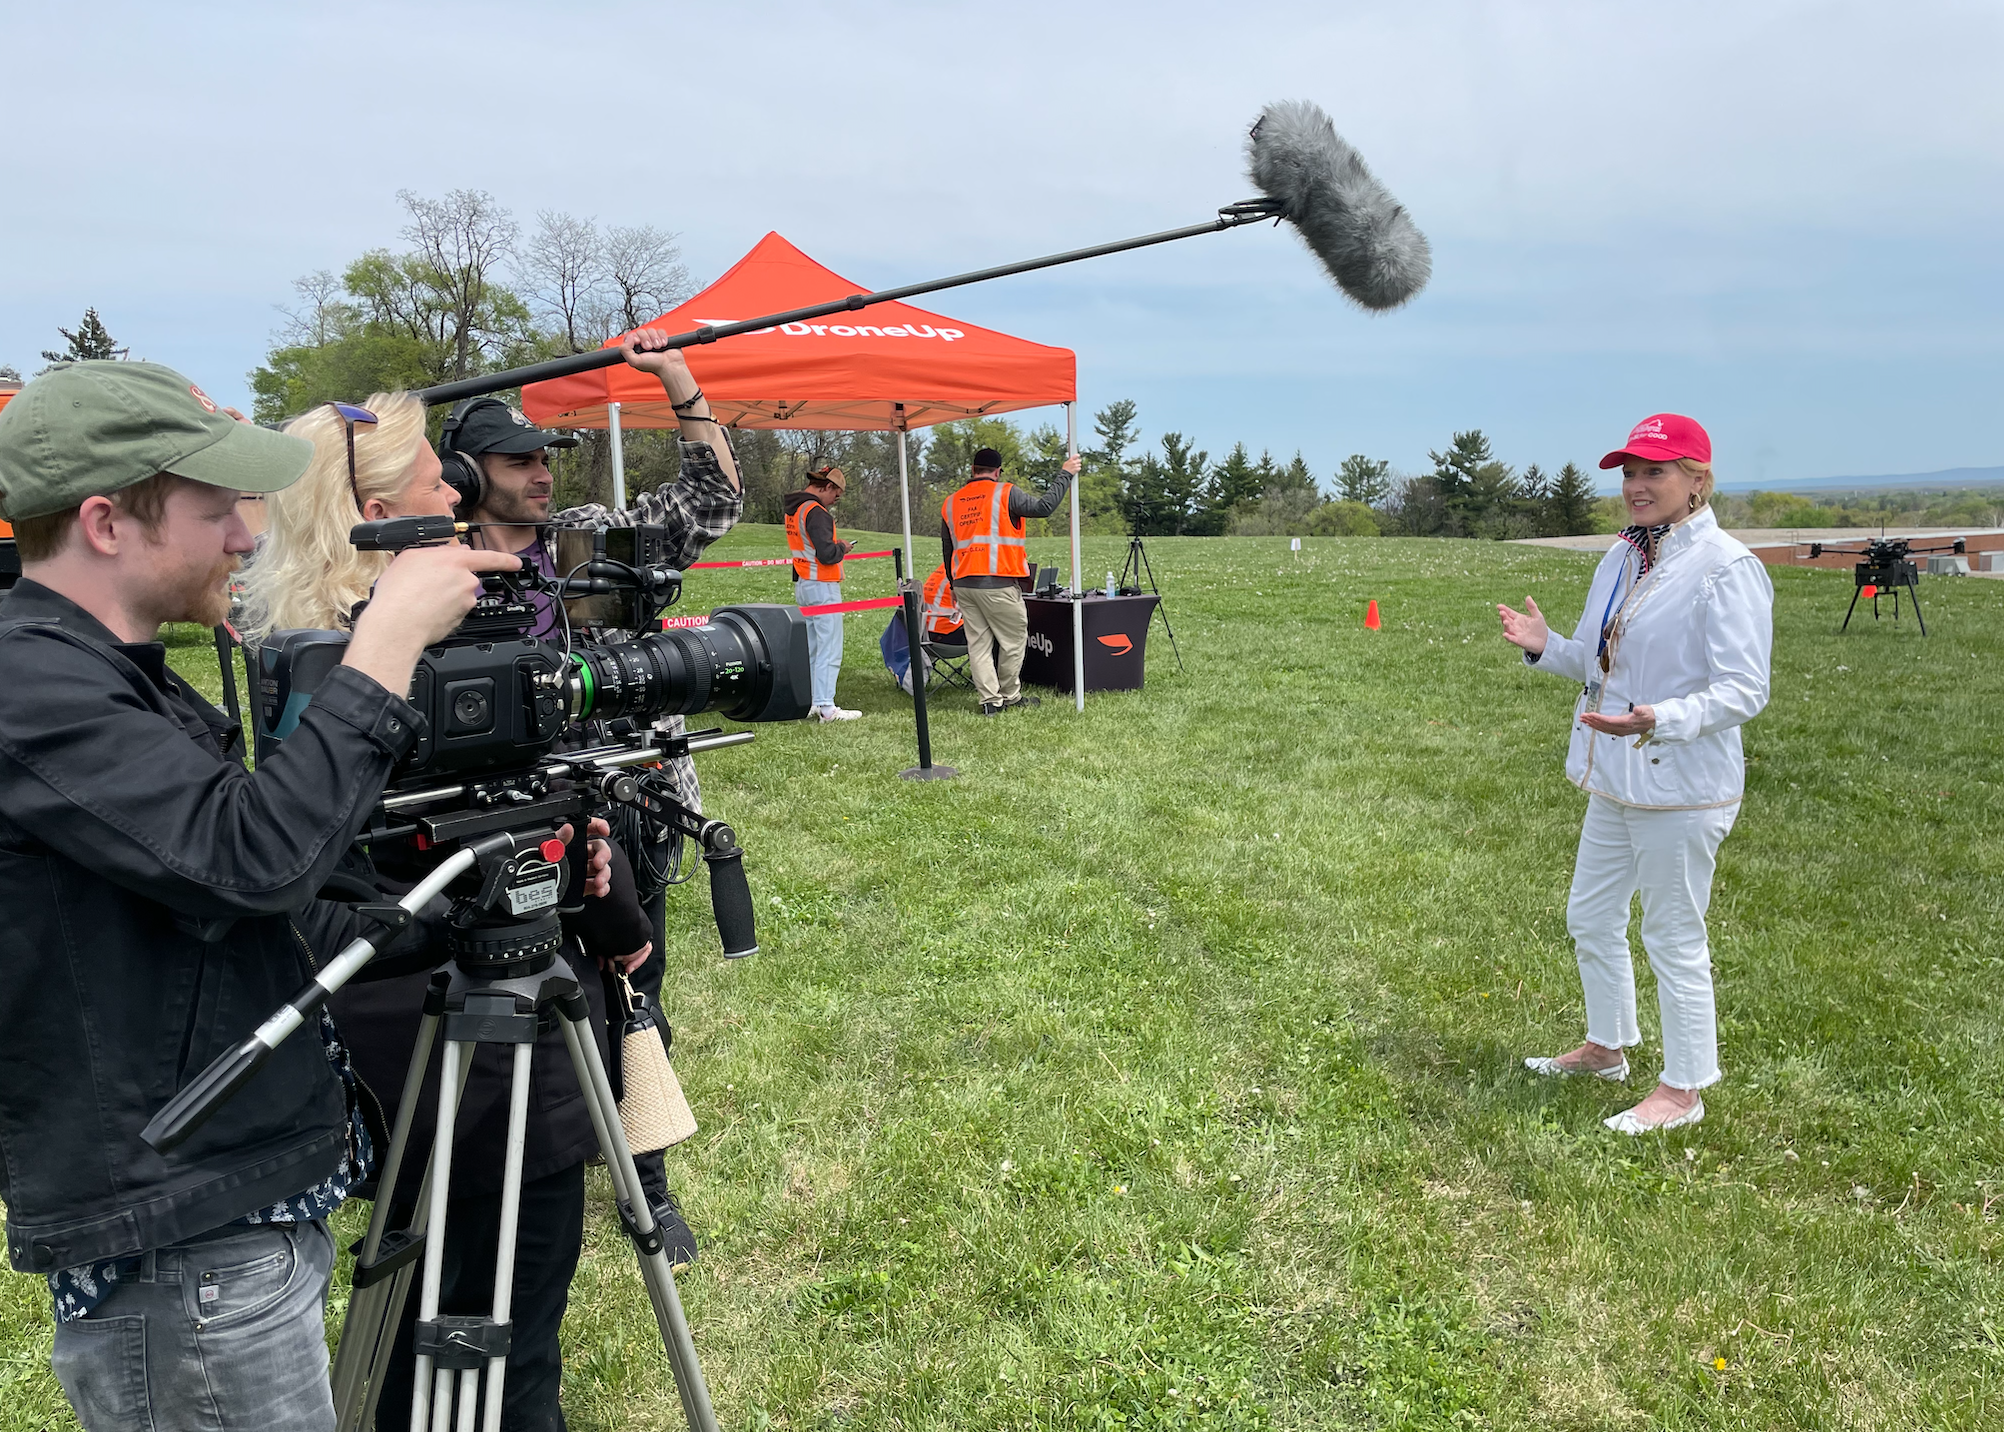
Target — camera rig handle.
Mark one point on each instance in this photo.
(647, 791)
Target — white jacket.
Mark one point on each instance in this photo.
(1694, 643)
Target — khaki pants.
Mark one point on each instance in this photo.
(997, 631)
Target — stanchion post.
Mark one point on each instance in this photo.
(1078, 579)
(925, 770)
(618, 457)
(904, 474)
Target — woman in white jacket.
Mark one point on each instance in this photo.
(1672, 657)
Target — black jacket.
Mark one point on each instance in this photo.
(156, 904)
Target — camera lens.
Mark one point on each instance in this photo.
(749, 662)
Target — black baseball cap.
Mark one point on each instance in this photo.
(987, 458)
(490, 425)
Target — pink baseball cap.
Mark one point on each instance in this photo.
(1663, 437)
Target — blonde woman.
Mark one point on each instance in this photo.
(372, 462)
(1672, 657)
(369, 462)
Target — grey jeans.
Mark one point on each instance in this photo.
(223, 1333)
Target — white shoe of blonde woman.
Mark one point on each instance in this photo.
(1551, 1068)
(1627, 1122)
(835, 713)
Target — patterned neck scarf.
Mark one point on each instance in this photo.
(1644, 540)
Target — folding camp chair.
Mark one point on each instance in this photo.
(946, 661)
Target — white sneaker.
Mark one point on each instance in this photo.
(1627, 1123)
(835, 713)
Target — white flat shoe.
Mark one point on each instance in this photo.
(835, 713)
(1552, 1069)
(1626, 1123)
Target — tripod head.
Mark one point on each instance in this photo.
(493, 839)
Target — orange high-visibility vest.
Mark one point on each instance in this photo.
(987, 541)
(805, 568)
(936, 605)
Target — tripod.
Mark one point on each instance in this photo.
(1136, 567)
(506, 972)
(505, 977)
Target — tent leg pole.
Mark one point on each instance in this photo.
(618, 457)
(905, 489)
(1078, 578)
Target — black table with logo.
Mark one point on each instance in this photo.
(1116, 641)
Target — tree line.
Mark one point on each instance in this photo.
(469, 290)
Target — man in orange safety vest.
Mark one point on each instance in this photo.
(818, 550)
(983, 544)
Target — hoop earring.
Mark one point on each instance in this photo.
(1694, 502)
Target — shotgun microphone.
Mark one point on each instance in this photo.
(1319, 184)
(1306, 175)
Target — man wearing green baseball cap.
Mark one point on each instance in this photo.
(157, 901)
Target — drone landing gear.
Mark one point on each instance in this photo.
(1907, 579)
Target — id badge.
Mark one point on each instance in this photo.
(1592, 692)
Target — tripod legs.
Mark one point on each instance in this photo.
(638, 1217)
(452, 1352)
(1138, 563)
(386, 1262)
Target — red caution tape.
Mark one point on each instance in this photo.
(827, 607)
(784, 561)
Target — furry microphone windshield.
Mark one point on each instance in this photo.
(1364, 237)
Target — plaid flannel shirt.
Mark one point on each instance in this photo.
(697, 508)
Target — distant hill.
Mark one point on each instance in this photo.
(1948, 479)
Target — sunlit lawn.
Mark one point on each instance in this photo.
(1166, 1068)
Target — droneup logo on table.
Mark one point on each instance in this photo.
(847, 330)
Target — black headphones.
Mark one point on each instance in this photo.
(462, 471)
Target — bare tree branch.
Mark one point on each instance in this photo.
(464, 237)
(645, 273)
(316, 321)
(562, 268)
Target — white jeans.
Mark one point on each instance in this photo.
(1668, 855)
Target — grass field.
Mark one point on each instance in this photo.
(1165, 1070)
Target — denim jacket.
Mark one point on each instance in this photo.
(157, 902)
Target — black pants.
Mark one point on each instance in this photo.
(547, 1246)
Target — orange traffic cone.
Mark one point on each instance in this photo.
(1371, 622)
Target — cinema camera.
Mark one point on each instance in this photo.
(480, 800)
(1885, 565)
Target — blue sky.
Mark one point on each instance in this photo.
(1782, 218)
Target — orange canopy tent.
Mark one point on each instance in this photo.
(905, 368)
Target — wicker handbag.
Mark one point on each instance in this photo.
(652, 1110)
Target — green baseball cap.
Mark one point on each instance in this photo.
(94, 428)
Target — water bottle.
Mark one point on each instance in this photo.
(1109, 585)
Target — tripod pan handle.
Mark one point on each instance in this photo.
(188, 1110)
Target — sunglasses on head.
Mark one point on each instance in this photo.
(350, 416)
